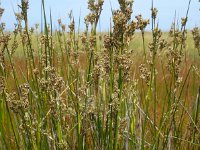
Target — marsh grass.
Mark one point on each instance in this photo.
(125, 89)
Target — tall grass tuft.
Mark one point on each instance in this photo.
(66, 89)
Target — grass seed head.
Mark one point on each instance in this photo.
(2, 84)
(154, 12)
(1, 12)
(196, 38)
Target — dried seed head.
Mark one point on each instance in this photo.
(90, 18)
(53, 81)
(120, 20)
(125, 62)
(1, 12)
(72, 26)
(108, 42)
(63, 27)
(25, 5)
(2, 54)
(14, 103)
(145, 74)
(92, 41)
(24, 88)
(196, 38)
(4, 39)
(183, 21)
(178, 37)
(154, 12)
(130, 30)
(19, 17)
(14, 47)
(2, 84)
(141, 23)
(2, 26)
(174, 59)
(95, 8)
(162, 44)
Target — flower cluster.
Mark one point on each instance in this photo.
(196, 38)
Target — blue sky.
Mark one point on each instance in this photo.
(61, 8)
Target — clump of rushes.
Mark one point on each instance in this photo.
(92, 19)
(91, 90)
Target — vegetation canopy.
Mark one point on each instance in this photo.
(122, 89)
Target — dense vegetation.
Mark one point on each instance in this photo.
(125, 89)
